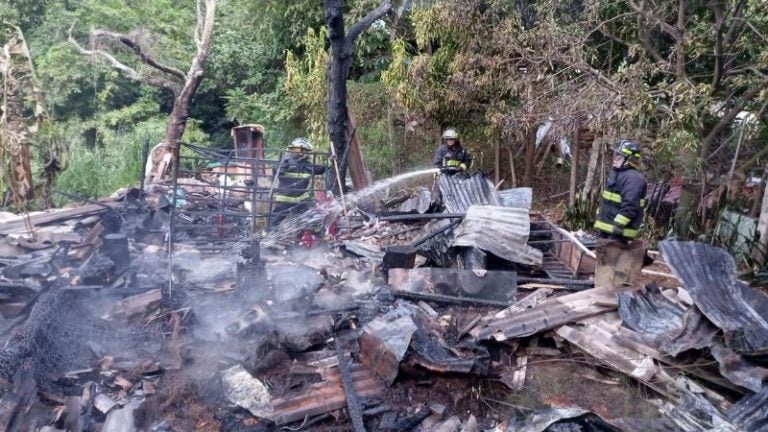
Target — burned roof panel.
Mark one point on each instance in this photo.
(459, 192)
(500, 230)
(647, 311)
(751, 412)
(709, 275)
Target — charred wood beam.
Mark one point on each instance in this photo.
(410, 422)
(417, 217)
(446, 299)
(354, 407)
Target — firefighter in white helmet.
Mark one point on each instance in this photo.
(451, 157)
(295, 180)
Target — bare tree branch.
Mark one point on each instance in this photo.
(138, 50)
(665, 26)
(127, 70)
(367, 20)
(729, 116)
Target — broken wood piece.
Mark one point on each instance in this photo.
(123, 383)
(103, 403)
(518, 377)
(19, 226)
(90, 243)
(325, 396)
(138, 304)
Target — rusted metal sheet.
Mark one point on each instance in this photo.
(385, 340)
(502, 231)
(460, 192)
(738, 370)
(596, 338)
(325, 396)
(487, 284)
(551, 313)
(709, 275)
(751, 413)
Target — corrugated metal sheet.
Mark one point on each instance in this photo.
(648, 311)
(751, 413)
(708, 274)
(552, 313)
(460, 192)
(698, 333)
(516, 197)
(737, 369)
(502, 231)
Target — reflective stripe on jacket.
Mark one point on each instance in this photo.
(294, 181)
(444, 157)
(622, 203)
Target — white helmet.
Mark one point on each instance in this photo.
(302, 143)
(450, 134)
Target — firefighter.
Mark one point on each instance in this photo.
(619, 256)
(295, 180)
(623, 200)
(451, 157)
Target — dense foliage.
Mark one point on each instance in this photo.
(680, 76)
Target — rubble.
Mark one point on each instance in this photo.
(403, 319)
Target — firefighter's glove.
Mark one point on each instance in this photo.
(449, 170)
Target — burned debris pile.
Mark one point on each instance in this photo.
(446, 308)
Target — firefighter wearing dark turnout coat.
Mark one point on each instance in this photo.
(623, 200)
(619, 257)
(451, 157)
(295, 178)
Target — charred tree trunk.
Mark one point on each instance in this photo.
(342, 53)
(180, 112)
(593, 158)
(574, 167)
(17, 83)
(530, 157)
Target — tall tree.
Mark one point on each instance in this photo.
(19, 88)
(182, 84)
(342, 53)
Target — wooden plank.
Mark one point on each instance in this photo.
(324, 396)
(18, 226)
(518, 377)
(357, 169)
(90, 243)
(138, 304)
